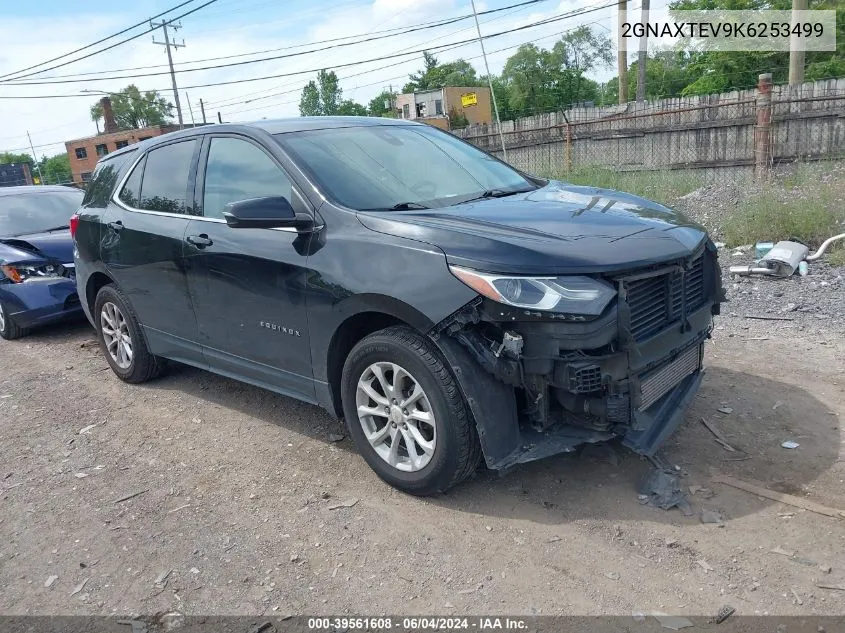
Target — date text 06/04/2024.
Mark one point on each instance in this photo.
(418, 623)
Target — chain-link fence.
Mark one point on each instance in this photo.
(716, 134)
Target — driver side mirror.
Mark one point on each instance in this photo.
(270, 212)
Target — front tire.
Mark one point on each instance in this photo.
(406, 414)
(121, 339)
(8, 328)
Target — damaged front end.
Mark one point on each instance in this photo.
(541, 383)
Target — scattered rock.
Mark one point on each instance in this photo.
(50, 580)
(825, 569)
(612, 575)
(725, 410)
(790, 444)
(711, 516)
(162, 577)
(671, 542)
(344, 504)
(724, 613)
(294, 558)
(704, 564)
(783, 552)
(79, 587)
(336, 437)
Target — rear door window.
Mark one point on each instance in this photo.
(238, 170)
(167, 171)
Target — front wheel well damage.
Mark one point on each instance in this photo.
(345, 338)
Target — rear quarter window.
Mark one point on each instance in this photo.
(105, 177)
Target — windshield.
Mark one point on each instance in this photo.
(34, 212)
(388, 166)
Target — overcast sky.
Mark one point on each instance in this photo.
(34, 32)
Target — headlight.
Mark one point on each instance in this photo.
(570, 295)
(20, 273)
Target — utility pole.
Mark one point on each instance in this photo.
(796, 58)
(490, 82)
(202, 109)
(643, 56)
(35, 158)
(167, 43)
(622, 51)
(190, 109)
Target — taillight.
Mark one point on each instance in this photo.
(73, 224)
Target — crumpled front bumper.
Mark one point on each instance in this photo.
(40, 302)
(564, 384)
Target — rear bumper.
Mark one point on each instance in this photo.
(32, 304)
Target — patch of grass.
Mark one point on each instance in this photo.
(661, 186)
(835, 255)
(775, 216)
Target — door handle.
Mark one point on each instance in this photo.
(200, 241)
(115, 226)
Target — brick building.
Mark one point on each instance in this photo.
(84, 153)
(438, 107)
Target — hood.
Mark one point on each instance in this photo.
(556, 229)
(55, 246)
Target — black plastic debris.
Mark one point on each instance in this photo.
(661, 488)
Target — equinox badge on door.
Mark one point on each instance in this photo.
(279, 328)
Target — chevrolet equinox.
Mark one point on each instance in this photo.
(448, 306)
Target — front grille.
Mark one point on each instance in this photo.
(660, 381)
(657, 302)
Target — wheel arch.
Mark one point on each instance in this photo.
(370, 313)
(96, 281)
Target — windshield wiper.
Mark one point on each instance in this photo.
(495, 193)
(56, 228)
(400, 206)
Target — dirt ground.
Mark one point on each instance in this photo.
(237, 489)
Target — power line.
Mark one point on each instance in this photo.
(275, 57)
(415, 52)
(214, 59)
(102, 50)
(388, 79)
(87, 46)
(545, 21)
(235, 100)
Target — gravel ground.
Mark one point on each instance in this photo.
(245, 505)
(201, 495)
(815, 303)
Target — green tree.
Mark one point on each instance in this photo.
(351, 108)
(530, 78)
(435, 75)
(380, 105)
(309, 104)
(501, 92)
(134, 109)
(56, 169)
(324, 97)
(8, 158)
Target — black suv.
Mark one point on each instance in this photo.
(447, 305)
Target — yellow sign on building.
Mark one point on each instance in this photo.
(469, 99)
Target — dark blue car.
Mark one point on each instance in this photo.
(37, 281)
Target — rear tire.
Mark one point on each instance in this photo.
(397, 390)
(121, 338)
(8, 328)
